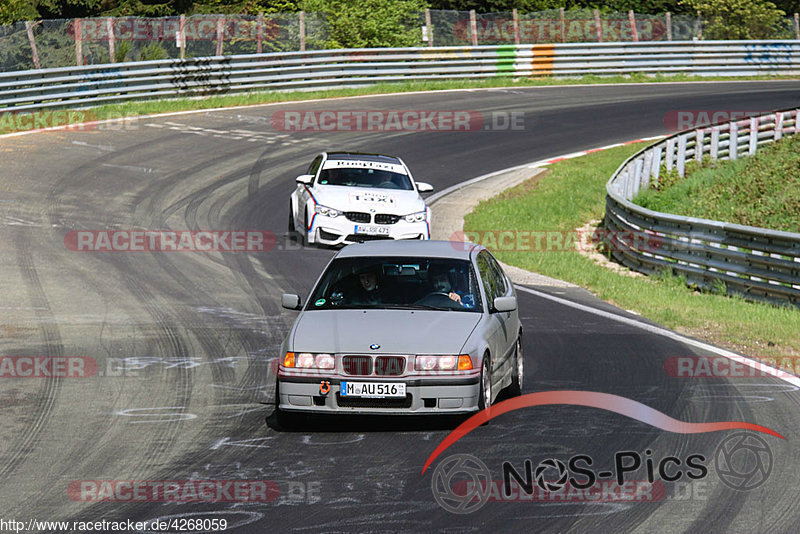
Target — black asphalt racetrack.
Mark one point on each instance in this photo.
(184, 341)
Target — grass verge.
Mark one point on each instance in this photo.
(762, 190)
(574, 193)
(10, 123)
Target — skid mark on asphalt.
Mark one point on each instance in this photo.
(232, 134)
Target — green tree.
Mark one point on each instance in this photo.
(370, 23)
(737, 19)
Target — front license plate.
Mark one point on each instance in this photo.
(371, 230)
(373, 390)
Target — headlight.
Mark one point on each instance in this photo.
(417, 217)
(325, 210)
(308, 360)
(462, 362)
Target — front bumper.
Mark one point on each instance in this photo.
(423, 396)
(341, 231)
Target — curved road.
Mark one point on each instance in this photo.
(184, 341)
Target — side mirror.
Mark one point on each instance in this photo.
(290, 301)
(424, 187)
(304, 179)
(505, 304)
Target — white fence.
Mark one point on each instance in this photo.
(755, 262)
(328, 69)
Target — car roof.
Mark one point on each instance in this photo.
(363, 156)
(428, 249)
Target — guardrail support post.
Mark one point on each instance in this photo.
(670, 155)
(669, 26)
(429, 27)
(682, 155)
(515, 15)
(111, 39)
(647, 169)
(597, 26)
(473, 27)
(698, 145)
(182, 36)
(78, 42)
(797, 121)
(29, 30)
(714, 143)
(260, 32)
(733, 141)
(778, 125)
(656, 165)
(302, 31)
(632, 19)
(220, 34)
(638, 165)
(753, 135)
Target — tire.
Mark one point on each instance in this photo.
(304, 233)
(485, 398)
(291, 231)
(515, 388)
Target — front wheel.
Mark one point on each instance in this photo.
(485, 399)
(519, 371)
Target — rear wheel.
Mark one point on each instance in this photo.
(519, 372)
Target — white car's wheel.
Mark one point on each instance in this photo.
(304, 233)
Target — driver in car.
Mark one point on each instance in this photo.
(439, 278)
(367, 290)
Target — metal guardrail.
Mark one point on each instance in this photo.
(328, 69)
(753, 262)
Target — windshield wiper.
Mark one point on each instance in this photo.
(415, 307)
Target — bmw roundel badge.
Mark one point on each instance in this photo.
(374, 346)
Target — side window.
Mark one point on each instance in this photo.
(484, 270)
(314, 167)
(499, 280)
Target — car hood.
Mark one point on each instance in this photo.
(396, 331)
(366, 198)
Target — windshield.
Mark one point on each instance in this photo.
(397, 283)
(357, 177)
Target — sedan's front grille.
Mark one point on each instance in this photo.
(358, 216)
(386, 218)
(356, 402)
(357, 365)
(390, 365)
